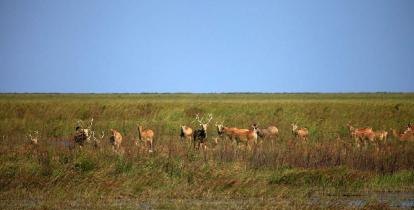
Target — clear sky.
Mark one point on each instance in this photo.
(206, 46)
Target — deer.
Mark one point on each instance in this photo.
(115, 139)
(83, 134)
(410, 127)
(247, 136)
(200, 135)
(186, 132)
(268, 132)
(80, 137)
(147, 136)
(302, 133)
(225, 132)
(405, 136)
(361, 134)
(33, 138)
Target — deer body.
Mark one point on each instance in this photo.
(186, 132)
(200, 135)
(115, 139)
(246, 136)
(268, 132)
(226, 132)
(406, 136)
(362, 134)
(302, 133)
(83, 135)
(80, 136)
(410, 128)
(147, 136)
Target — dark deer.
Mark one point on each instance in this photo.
(200, 135)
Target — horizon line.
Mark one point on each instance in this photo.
(166, 93)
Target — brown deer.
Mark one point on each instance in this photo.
(147, 136)
(33, 138)
(200, 135)
(410, 127)
(115, 139)
(302, 133)
(247, 136)
(361, 134)
(186, 132)
(225, 132)
(269, 132)
(406, 136)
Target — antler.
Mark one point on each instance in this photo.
(35, 134)
(220, 123)
(93, 135)
(90, 124)
(201, 120)
(198, 119)
(211, 117)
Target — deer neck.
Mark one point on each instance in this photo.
(255, 133)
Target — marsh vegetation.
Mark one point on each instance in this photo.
(286, 172)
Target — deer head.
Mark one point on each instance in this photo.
(220, 127)
(33, 138)
(79, 124)
(204, 124)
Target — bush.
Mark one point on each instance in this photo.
(84, 165)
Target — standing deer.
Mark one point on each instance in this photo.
(86, 132)
(115, 139)
(302, 133)
(33, 138)
(225, 132)
(247, 136)
(410, 127)
(186, 132)
(405, 136)
(147, 136)
(200, 135)
(82, 134)
(269, 132)
(361, 134)
(80, 137)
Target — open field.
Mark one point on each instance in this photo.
(328, 171)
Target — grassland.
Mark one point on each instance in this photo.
(286, 174)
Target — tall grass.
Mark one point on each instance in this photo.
(283, 168)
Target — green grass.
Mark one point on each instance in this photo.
(286, 173)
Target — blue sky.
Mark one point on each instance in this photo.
(206, 46)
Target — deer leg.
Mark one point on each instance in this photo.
(151, 146)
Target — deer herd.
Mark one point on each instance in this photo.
(247, 137)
